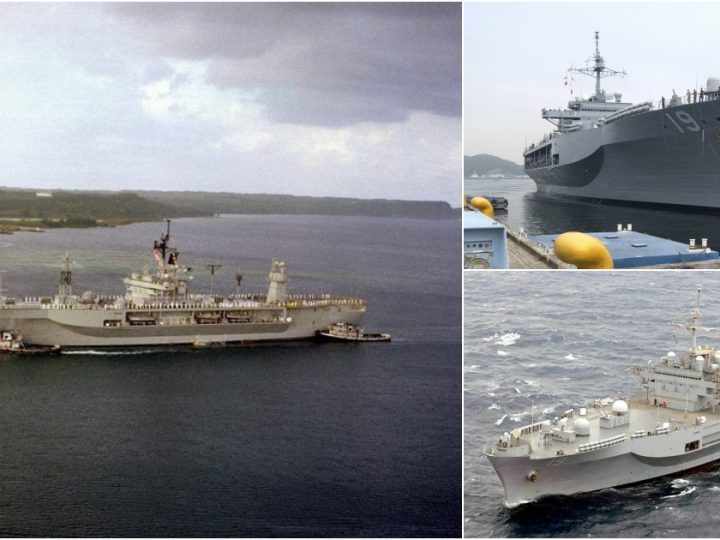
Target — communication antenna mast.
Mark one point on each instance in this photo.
(238, 280)
(598, 69)
(65, 288)
(212, 268)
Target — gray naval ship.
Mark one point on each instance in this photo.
(661, 152)
(158, 308)
(671, 425)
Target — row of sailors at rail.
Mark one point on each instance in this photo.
(690, 97)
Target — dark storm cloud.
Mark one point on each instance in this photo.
(316, 63)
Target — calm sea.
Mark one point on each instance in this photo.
(539, 214)
(557, 340)
(300, 439)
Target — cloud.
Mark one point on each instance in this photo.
(316, 99)
(327, 64)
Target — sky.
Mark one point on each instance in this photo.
(516, 57)
(356, 100)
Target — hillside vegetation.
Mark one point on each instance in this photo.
(234, 203)
(85, 207)
(486, 164)
(22, 207)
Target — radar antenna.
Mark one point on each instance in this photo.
(598, 70)
(160, 247)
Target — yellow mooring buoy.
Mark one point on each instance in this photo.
(482, 204)
(583, 250)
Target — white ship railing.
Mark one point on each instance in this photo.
(193, 302)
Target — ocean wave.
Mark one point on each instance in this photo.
(494, 406)
(570, 357)
(501, 420)
(503, 353)
(679, 482)
(686, 491)
(504, 340)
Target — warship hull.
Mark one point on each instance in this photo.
(81, 328)
(635, 460)
(667, 156)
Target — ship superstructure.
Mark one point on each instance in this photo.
(158, 308)
(671, 425)
(664, 151)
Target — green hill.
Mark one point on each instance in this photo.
(85, 207)
(236, 203)
(27, 207)
(487, 164)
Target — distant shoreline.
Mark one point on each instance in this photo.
(33, 210)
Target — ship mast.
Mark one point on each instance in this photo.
(65, 288)
(693, 322)
(598, 70)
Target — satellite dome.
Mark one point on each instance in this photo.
(671, 354)
(546, 426)
(582, 426)
(619, 406)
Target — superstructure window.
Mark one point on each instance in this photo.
(694, 445)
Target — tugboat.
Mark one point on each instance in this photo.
(12, 342)
(670, 426)
(349, 332)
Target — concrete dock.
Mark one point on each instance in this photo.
(525, 254)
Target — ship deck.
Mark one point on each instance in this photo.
(643, 416)
(632, 249)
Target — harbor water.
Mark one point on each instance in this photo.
(555, 340)
(539, 214)
(296, 439)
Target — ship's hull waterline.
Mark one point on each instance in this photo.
(665, 156)
(634, 461)
(86, 328)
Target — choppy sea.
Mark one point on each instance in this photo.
(538, 343)
(297, 439)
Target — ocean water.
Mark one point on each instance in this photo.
(558, 339)
(540, 214)
(297, 439)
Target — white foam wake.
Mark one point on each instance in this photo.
(504, 340)
(92, 352)
(686, 491)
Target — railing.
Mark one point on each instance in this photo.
(192, 302)
(688, 97)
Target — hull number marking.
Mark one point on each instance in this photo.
(685, 119)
